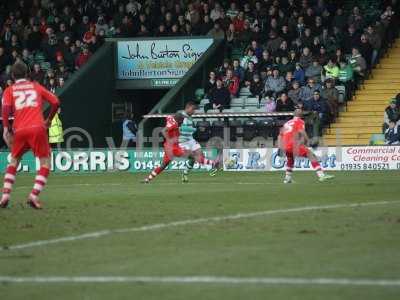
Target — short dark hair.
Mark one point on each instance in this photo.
(179, 117)
(190, 103)
(19, 70)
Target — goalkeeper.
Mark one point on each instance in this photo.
(186, 140)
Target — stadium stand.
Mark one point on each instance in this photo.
(363, 117)
(328, 53)
(270, 47)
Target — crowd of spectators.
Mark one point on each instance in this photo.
(294, 49)
(298, 53)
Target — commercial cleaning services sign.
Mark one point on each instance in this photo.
(158, 59)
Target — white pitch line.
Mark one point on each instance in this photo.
(157, 184)
(203, 280)
(97, 234)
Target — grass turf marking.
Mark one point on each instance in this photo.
(202, 280)
(159, 226)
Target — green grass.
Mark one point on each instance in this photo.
(358, 242)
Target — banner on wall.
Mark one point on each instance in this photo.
(332, 158)
(158, 59)
(102, 160)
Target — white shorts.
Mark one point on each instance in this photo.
(191, 145)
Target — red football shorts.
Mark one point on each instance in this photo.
(34, 139)
(296, 150)
(171, 151)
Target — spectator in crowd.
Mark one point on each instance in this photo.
(366, 49)
(211, 83)
(293, 57)
(37, 74)
(232, 83)
(275, 83)
(219, 97)
(285, 66)
(289, 78)
(129, 130)
(307, 39)
(322, 56)
(392, 114)
(5, 76)
(340, 19)
(346, 77)
(62, 71)
(294, 92)
(232, 11)
(217, 12)
(274, 42)
(331, 94)
(270, 104)
(52, 85)
(299, 74)
(284, 103)
(266, 61)
(217, 32)
(249, 73)
(392, 134)
(306, 58)
(238, 71)
(355, 19)
(308, 90)
(351, 39)
(376, 42)
(319, 112)
(34, 38)
(83, 57)
(258, 51)
(358, 63)
(225, 66)
(331, 70)
(5, 59)
(256, 86)
(60, 83)
(250, 56)
(283, 50)
(339, 56)
(27, 58)
(314, 70)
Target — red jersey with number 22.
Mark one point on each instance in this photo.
(290, 130)
(26, 100)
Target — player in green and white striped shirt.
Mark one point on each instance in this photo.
(186, 140)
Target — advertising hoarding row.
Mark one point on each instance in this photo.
(101, 160)
(355, 158)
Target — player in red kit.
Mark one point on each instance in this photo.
(292, 142)
(172, 148)
(24, 100)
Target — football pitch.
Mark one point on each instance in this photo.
(233, 236)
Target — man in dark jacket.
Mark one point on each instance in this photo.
(284, 103)
(319, 112)
(392, 114)
(351, 39)
(220, 97)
